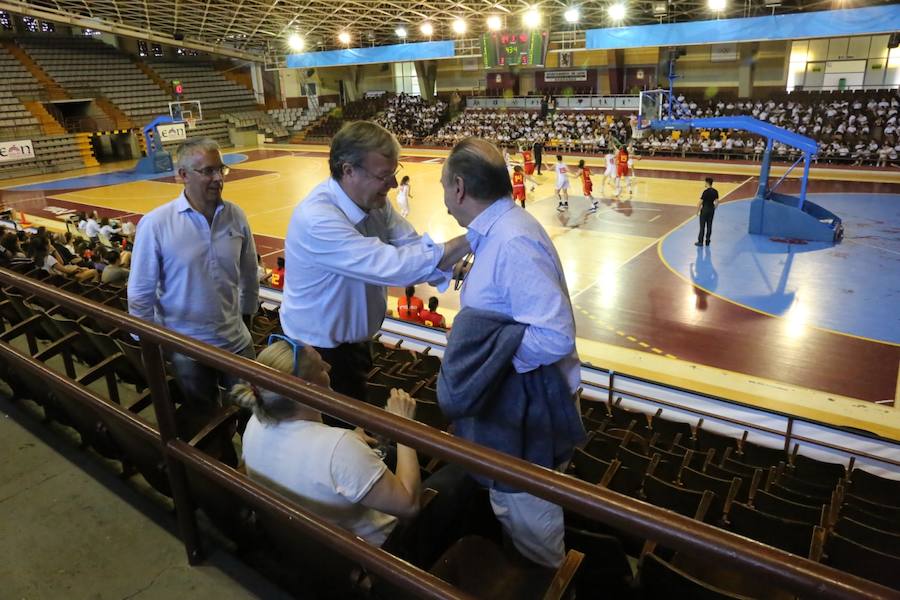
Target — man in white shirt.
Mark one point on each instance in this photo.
(345, 245)
(194, 269)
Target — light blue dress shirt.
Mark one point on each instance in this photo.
(339, 261)
(193, 278)
(517, 272)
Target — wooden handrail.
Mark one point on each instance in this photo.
(793, 572)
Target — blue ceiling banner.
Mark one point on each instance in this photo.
(828, 23)
(375, 54)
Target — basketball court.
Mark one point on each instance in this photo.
(809, 329)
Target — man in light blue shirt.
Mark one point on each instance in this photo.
(193, 269)
(345, 245)
(516, 273)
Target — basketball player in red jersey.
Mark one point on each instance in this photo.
(621, 168)
(528, 161)
(587, 186)
(518, 184)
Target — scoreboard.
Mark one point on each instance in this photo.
(508, 49)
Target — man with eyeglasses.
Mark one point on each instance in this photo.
(193, 269)
(345, 245)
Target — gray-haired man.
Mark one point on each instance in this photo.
(193, 268)
(345, 244)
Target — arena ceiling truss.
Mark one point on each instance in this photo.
(254, 29)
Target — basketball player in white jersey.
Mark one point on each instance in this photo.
(610, 172)
(562, 183)
(631, 158)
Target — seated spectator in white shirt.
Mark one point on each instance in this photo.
(328, 470)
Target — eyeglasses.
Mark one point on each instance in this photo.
(210, 171)
(295, 345)
(381, 178)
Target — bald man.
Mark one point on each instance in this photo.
(515, 313)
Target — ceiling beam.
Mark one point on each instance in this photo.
(48, 14)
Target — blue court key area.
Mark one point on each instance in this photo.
(852, 287)
(114, 178)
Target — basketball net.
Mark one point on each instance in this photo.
(191, 122)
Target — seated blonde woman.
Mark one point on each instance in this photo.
(330, 471)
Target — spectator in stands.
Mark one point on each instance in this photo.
(40, 251)
(262, 273)
(13, 255)
(114, 273)
(515, 313)
(107, 230)
(334, 473)
(194, 266)
(90, 227)
(345, 244)
(128, 230)
(65, 249)
(431, 317)
(409, 306)
(329, 470)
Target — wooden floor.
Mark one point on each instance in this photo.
(636, 313)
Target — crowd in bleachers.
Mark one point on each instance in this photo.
(411, 118)
(857, 128)
(93, 249)
(854, 127)
(572, 132)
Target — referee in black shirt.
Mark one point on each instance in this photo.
(709, 200)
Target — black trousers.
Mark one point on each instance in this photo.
(350, 363)
(706, 220)
(538, 159)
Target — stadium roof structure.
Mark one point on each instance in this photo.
(253, 29)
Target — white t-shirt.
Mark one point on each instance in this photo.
(49, 263)
(91, 228)
(611, 165)
(326, 470)
(562, 180)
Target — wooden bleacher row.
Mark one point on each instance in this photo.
(256, 119)
(109, 360)
(204, 83)
(830, 512)
(216, 129)
(52, 154)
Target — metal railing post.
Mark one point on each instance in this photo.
(154, 363)
(610, 389)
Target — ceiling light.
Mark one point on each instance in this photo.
(494, 23)
(531, 18)
(401, 32)
(295, 42)
(617, 12)
(427, 29)
(459, 26)
(572, 15)
(717, 5)
(344, 38)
